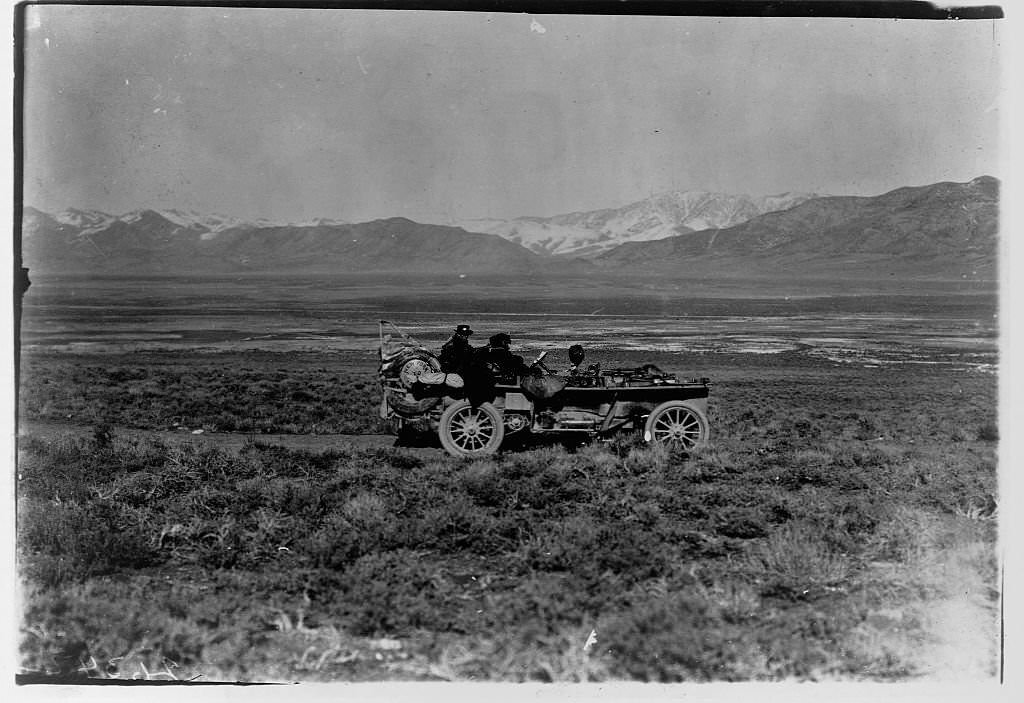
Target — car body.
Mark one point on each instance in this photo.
(590, 405)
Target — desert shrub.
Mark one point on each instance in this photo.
(188, 630)
(526, 464)
(867, 428)
(735, 599)
(778, 511)
(307, 502)
(742, 523)
(398, 459)
(559, 546)
(845, 523)
(627, 549)
(333, 545)
(648, 513)
(483, 481)
(621, 444)
(755, 557)
(538, 604)
(102, 437)
(796, 477)
(70, 542)
(440, 518)
(390, 592)
(903, 533)
(221, 545)
(670, 639)
(988, 432)
(807, 428)
(649, 459)
(794, 562)
(366, 511)
(212, 391)
(66, 469)
(272, 527)
(709, 463)
(963, 480)
(556, 488)
(510, 655)
(212, 499)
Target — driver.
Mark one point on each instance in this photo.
(499, 359)
(576, 356)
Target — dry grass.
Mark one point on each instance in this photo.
(798, 545)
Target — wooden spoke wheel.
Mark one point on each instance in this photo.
(468, 430)
(677, 423)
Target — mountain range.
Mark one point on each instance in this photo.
(585, 234)
(157, 242)
(944, 230)
(940, 230)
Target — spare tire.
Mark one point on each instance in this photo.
(418, 363)
(403, 403)
(401, 400)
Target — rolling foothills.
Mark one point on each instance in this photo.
(940, 231)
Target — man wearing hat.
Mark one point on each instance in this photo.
(576, 356)
(457, 352)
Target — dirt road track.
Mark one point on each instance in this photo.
(223, 440)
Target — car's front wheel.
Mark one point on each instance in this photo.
(471, 430)
(677, 423)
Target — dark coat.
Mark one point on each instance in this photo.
(502, 363)
(456, 355)
(489, 366)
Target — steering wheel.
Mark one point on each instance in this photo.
(539, 362)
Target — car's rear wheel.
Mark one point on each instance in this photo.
(677, 423)
(471, 430)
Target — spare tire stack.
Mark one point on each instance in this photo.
(399, 378)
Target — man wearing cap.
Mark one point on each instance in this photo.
(457, 352)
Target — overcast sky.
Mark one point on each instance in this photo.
(294, 114)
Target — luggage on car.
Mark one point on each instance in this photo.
(541, 387)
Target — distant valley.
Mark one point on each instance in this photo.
(944, 231)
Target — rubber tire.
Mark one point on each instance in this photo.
(401, 401)
(416, 359)
(689, 412)
(462, 408)
(405, 405)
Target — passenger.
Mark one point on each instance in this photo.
(457, 353)
(576, 356)
(500, 361)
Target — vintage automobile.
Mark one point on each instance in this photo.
(594, 404)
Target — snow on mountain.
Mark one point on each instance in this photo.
(212, 223)
(660, 216)
(209, 225)
(148, 241)
(318, 222)
(580, 234)
(84, 218)
(782, 201)
(941, 231)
